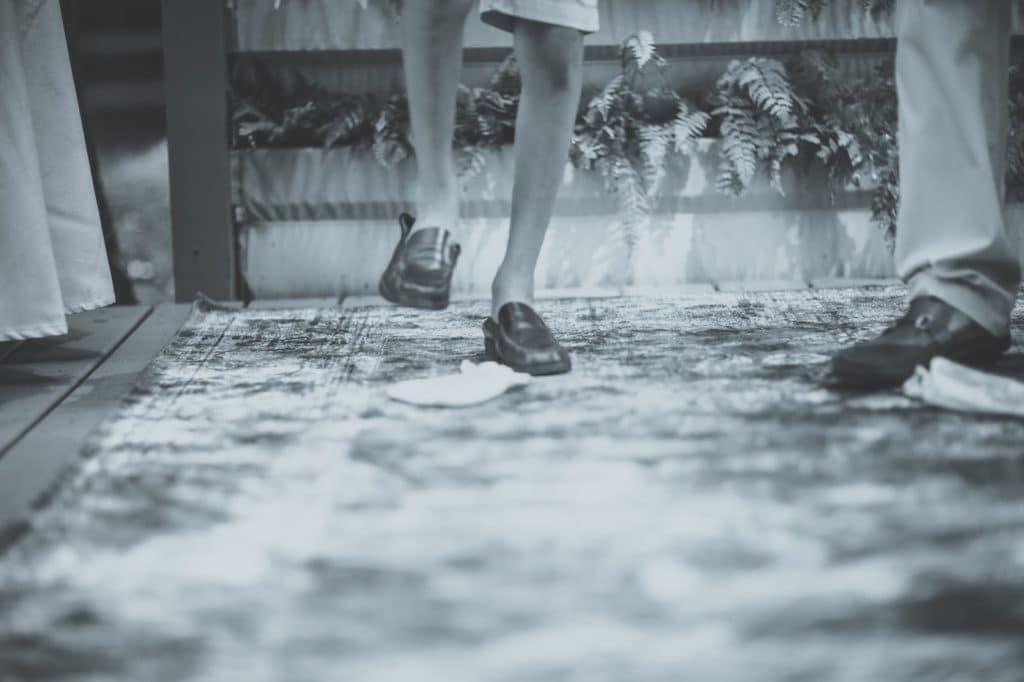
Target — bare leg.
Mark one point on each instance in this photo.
(432, 55)
(551, 63)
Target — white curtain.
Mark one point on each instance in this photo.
(52, 257)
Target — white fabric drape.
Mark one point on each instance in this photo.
(52, 258)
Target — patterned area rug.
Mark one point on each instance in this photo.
(688, 504)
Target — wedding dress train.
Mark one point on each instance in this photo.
(52, 257)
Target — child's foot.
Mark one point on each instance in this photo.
(516, 336)
(510, 287)
(420, 272)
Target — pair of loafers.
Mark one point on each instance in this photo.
(420, 276)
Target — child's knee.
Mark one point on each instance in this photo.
(559, 56)
(446, 11)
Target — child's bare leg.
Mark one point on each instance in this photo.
(432, 55)
(551, 64)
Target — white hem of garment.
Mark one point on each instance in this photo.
(55, 329)
(502, 14)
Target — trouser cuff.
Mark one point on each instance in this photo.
(991, 308)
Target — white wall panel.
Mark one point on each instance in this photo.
(332, 258)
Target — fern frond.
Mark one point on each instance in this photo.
(470, 162)
(793, 12)
(346, 123)
(783, 145)
(728, 182)
(506, 80)
(689, 124)
(639, 49)
(739, 145)
(655, 143)
(609, 97)
(391, 133)
(767, 84)
(586, 150)
(790, 12)
(634, 209)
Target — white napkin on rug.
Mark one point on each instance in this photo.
(474, 384)
(955, 387)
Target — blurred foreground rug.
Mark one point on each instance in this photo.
(687, 505)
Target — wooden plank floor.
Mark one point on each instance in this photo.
(54, 391)
(38, 374)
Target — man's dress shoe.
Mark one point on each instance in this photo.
(930, 328)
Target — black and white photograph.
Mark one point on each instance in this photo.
(511, 341)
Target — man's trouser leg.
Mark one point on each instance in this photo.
(953, 241)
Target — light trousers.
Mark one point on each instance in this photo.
(952, 239)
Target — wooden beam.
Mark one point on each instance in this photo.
(196, 46)
(36, 461)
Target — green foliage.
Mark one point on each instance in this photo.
(485, 118)
(855, 126)
(391, 132)
(759, 112)
(629, 130)
(795, 12)
(1015, 159)
(768, 115)
(336, 119)
(267, 112)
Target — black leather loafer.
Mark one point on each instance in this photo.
(520, 339)
(930, 328)
(420, 272)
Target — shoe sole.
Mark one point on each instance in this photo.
(542, 370)
(853, 376)
(413, 299)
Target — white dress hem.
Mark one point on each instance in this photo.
(54, 329)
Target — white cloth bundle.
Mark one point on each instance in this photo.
(474, 384)
(52, 257)
(955, 387)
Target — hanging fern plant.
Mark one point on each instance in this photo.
(759, 116)
(485, 119)
(854, 124)
(629, 130)
(767, 114)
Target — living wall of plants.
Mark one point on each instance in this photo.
(803, 113)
